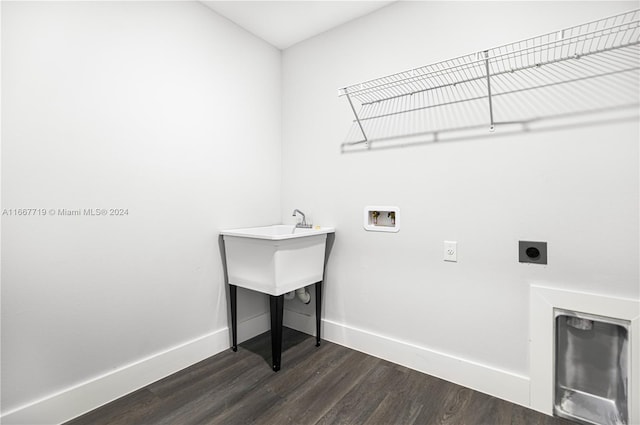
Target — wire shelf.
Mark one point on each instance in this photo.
(585, 68)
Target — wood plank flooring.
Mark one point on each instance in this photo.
(326, 385)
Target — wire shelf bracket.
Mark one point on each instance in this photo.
(486, 61)
(584, 69)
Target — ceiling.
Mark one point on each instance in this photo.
(285, 23)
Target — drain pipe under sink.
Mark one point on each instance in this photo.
(302, 294)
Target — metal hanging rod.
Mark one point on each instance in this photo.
(436, 76)
(450, 67)
(570, 72)
(607, 48)
(568, 30)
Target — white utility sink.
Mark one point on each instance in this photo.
(275, 259)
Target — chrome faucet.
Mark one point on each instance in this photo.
(303, 224)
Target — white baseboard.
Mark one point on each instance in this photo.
(253, 327)
(300, 322)
(487, 379)
(84, 397)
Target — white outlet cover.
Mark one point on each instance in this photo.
(451, 251)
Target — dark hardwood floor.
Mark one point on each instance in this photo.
(326, 385)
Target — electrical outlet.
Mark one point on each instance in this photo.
(532, 252)
(451, 251)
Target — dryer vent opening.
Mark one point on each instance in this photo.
(592, 368)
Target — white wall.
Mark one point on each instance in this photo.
(163, 108)
(577, 189)
(174, 113)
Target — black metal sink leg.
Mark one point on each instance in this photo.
(318, 311)
(277, 308)
(233, 295)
